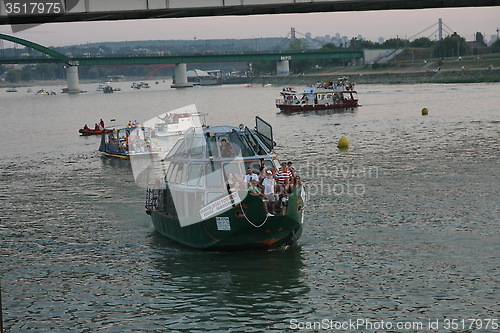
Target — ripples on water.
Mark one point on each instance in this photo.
(416, 238)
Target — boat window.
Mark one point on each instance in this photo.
(194, 174)
(242, 146)
(262, 144)
(227, 148)
(213, 175)
(234, 169)
(251, 140)
(188, 138)
(169, 171)
(255, 165)
(258, 142)
(175, 148)
(173, 172)
(178, 178)
(111, 137)
(268, 164)
(197, 147)
(192, 209)
(212, 147)
(122, 135)
(266, 131)
(201, 181)
(234, 176)
(212, 196)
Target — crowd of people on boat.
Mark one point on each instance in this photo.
(97, 127)
(173, 118)
(313, 95)
(272, 186)
(135, 123)
(342, 83)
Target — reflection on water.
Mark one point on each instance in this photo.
(320, 112)
(232, 291)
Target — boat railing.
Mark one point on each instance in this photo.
(153, 197)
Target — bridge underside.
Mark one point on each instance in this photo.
(94, 10)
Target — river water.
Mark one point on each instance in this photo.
(400, 229)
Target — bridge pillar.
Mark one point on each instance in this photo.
(72, 77)
(181, 77)
(283, 67)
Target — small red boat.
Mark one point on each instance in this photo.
(88, 131)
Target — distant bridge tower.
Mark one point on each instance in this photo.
(292, 34)
(440, 29)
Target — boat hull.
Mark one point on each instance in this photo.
(123, 156)
(245, 227)
(87, 132)
(313, 107)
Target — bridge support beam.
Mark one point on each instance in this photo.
(72, 77)
(181, 77)
(283, 67)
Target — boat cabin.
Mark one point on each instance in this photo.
(211, 163)
(122, 141)
(175, 124)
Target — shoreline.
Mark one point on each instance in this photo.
(450, 76)
(443, 77)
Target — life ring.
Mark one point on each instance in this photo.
(299, 205)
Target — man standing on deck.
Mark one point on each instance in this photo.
(284, 179)
(250, 176)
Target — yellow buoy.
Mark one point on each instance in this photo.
(343, 142)
(425, 111)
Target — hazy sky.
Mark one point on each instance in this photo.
(371, 25)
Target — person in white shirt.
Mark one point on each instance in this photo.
(269, 184)
(250, 176)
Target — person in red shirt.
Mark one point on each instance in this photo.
(284, 179)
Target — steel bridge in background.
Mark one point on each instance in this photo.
(52, 56)
(282, 59)
(98, 10)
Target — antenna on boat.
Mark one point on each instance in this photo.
(204, 121)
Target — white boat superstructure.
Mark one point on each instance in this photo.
(175, 122)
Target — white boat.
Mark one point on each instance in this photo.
(322, 96)
(175, 122)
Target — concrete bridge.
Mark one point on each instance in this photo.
(282, 60)
(95, 10)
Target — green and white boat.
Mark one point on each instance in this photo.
(196, 199)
